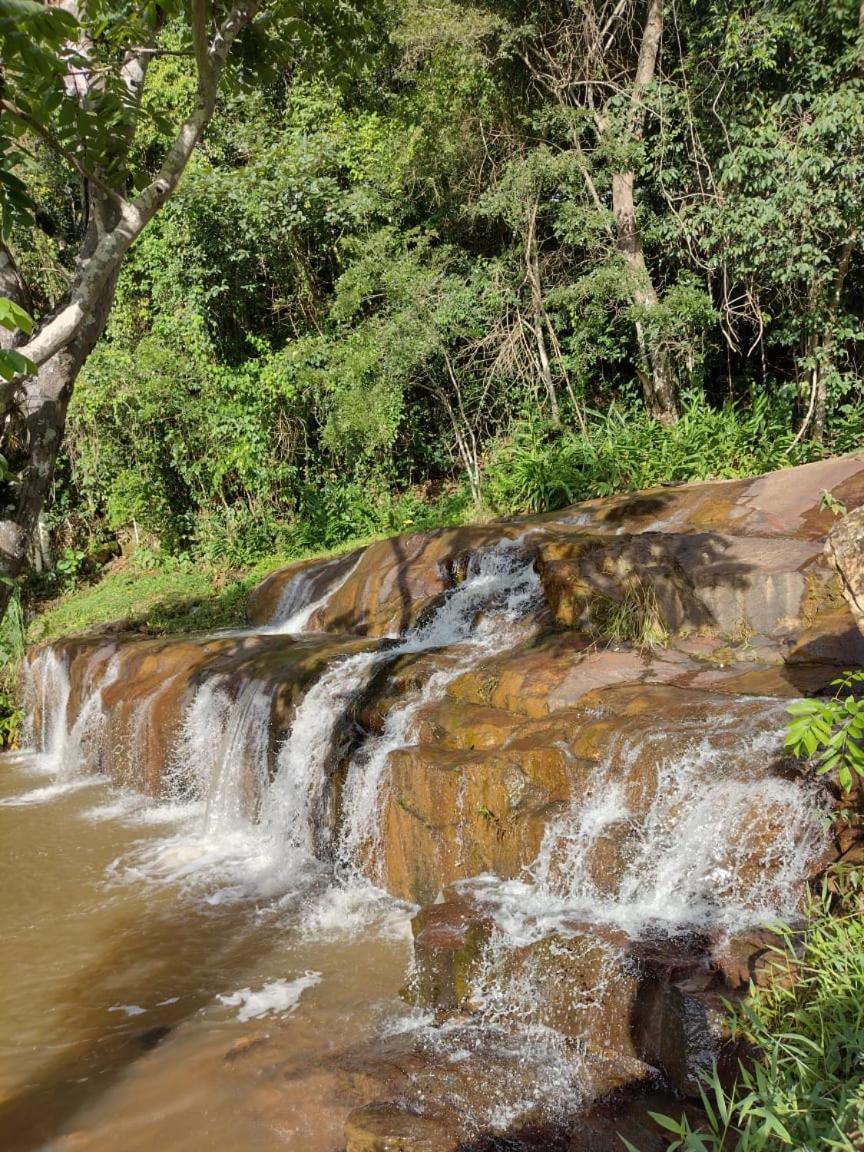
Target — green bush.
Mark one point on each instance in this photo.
(542, 467)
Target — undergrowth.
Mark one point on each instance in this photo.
(542, 467)
(635, 618)
(806, 1090)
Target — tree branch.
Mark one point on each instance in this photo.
(134, 217)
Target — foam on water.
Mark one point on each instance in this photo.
(50, 792)
(278, 998)
(713, 838)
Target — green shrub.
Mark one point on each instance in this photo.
(543, 468)
(832, 730)
(12, 648)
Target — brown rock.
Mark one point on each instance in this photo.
(844, 548)
(390, 1127)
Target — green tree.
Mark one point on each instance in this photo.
(74, 87)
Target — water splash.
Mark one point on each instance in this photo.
(684, 828)
(486, 614)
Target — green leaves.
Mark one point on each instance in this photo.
(831, 730)
(12, 363)
(12, 316)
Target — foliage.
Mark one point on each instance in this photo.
(541, 467)
(392, 294)
(832, 730)
(13, 318)
(634, 618)
(163, 598)
(13, 644)
(805, 1090)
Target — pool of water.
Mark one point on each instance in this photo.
(139, 1014)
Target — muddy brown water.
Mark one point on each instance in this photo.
(112, 1031)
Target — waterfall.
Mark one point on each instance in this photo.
(46, 698)
(64, 750)
(682, 829)
(295, 608)
(486, 614)
(265, 834)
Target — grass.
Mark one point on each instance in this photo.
(805, 1090)
(635, 618)
(160, 601)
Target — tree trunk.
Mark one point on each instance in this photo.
(657, 373)
(45, 400)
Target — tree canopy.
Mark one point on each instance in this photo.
(429, 258)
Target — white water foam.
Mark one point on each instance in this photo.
(50, 792)
(47, 690)
(278, 998)
(705, 835)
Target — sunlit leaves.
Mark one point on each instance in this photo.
(12, 363)
(831, 730)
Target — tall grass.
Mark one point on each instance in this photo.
(542, 468)
(806, 1090)
(13, 644)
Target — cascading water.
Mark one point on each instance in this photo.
(486, 614)
(46, 698)
(675, 831)
(667, 826)
(296, 606)
(268, 849)
(691, 830)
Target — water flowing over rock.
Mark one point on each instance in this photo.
(560, 736)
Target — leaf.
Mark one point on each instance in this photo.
(12, 316)
(13, 364)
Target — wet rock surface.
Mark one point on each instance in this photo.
(640, 702)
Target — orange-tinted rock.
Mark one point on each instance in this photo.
(449, 939)
(845, 550)
(300, 584)
(147, 684)
(449, 814)
(396, 580)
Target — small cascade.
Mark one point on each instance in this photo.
(709, 835)
(64, 749)
(278, 828)
(488, 613)
(684, 829)
(225, 741)
(298, 602)
(47, 690)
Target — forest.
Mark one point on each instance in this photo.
(302, 303)
(438, 261)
